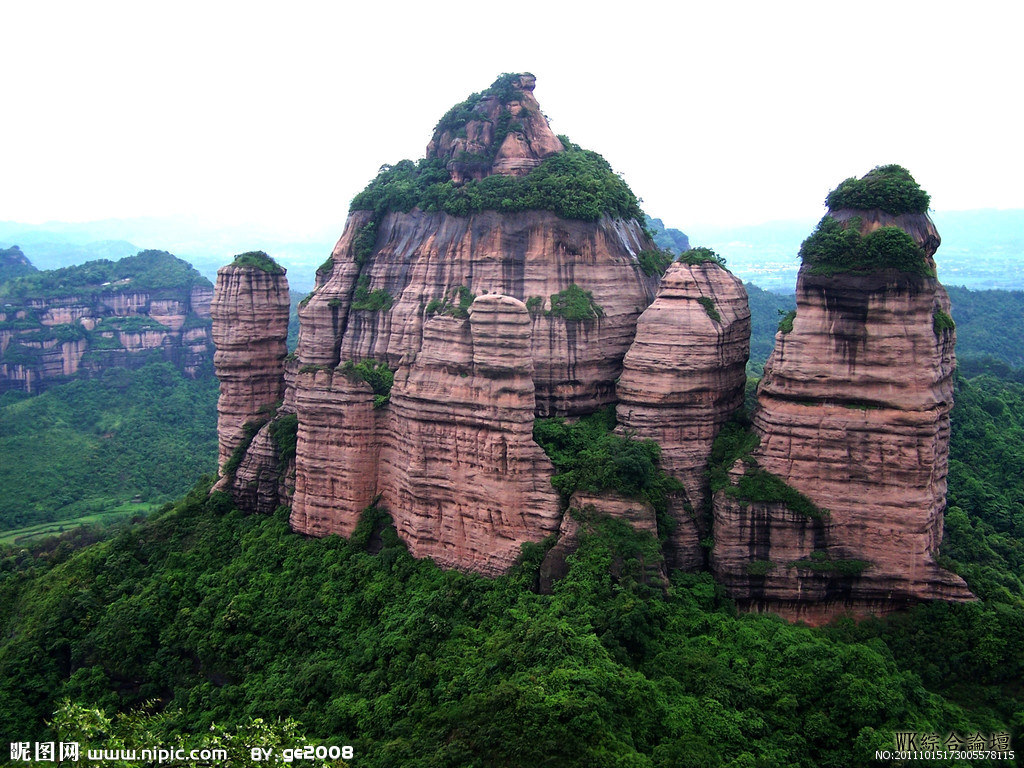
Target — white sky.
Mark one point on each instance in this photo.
(715, 113)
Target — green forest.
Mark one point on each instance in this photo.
(201, 622)
(126, 440)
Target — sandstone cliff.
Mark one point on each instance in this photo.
(683, 377)
(486, 318)
(853, 412)
(452, 456)
(81, 320)
(422, 261)
(250, 311)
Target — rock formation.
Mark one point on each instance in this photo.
(853, 412)
(452, 456)
(485, 319)
(449, 317)
(82, 320)
(424, 259)
(501, 131)
(462, 476)
(683, 377)
(250, 310)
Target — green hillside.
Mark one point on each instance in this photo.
(220, 617)
(94, 446)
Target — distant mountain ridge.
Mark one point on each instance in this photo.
(13, 263)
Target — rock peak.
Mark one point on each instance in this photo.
(498, 131)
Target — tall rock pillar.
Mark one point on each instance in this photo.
(853, 413)
(250, 310)
(682, 378)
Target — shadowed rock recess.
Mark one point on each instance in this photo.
(508, 277)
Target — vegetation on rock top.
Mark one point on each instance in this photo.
(836, 247)
(502, 89)
(890, 188)
(701, 255)
(455, 303)
(575, 184)
(13, 263)
(259, 260)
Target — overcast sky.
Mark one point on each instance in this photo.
(278, 113)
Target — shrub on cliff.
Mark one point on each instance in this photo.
(259, 260)
(890, 188)
(701, 255)
(589, 456)
(575, 184)
(654, 261)
(575, 304)
(835, 247)
(376, 374)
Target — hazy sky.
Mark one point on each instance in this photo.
(722, 113)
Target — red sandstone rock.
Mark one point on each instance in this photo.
(422, 257)
(524, 147)
(854, 413)
(683, 377)
(452, 455)
(250, 325)
(337, 452)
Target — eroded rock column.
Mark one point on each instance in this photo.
(682, 378)
(250, 327)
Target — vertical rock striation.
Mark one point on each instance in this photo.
(682, 378)
(250, 310)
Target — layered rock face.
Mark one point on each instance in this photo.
(337, 452)
(423, 258)
(853, 413)
(461, 473)
(485, 320)
(505, 133)
(433, 340)
(250, 310)
(682, 378)
(452, 457)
